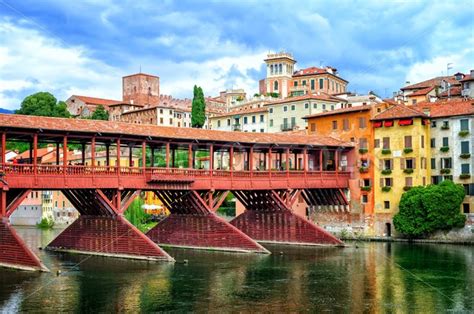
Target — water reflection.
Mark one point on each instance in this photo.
(372, 278)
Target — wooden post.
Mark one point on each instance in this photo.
(107, 154)
(287, 157)
(305, 159)
(4, 148)
(167, 155)
(321, 160)
(152, 161)
(336, 160)
(65, 151)
(190, 156)
(173, 159)
(3, 201)
(211, 158)
(83, 154)
(270, 162)
(35, 152)
(57, 153)
(231, 159)
(144, 156)
(130, 155)
(118, 152)
(251, 160)
(93, 152)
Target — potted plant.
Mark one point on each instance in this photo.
(463, 133)
(386, 151)
(464, 176)
(366, 188)
(363, 150)
(386, 171)
(386, 188)
(465, 156)
(444, 149)
(408, 170)
(363, 169)
(445, 171)
(408, 150)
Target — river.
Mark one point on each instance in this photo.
(364, 277)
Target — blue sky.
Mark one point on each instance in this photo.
(85, 47)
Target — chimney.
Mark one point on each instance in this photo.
(472, 73)
(426, 111)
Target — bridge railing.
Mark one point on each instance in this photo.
(80, 170)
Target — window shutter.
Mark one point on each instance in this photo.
(402, 163)
(380, 164)
(361, 182)
(391, 164)
(414, 163)
(381, 182)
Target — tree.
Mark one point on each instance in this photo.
(43, 104)
(100, 113)
(198, 111)
(424, 210)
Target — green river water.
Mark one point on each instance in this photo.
(367, 277)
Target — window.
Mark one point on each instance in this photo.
(446, 163)
(433, 123)
(408, 181)
(433, 143)
(386, 204)
(465, 168)
(245, 120)
(362, 123)
(464, 125)
(161, 120)
(254, 130)
(465, 208)
(171, 121)
(445, 141)
(324, 107)
(218, 123)
(228, 122)
(334, 125)
(445, 124)
(465, 147)
(271, 110)
(171, 111)
(312, 84)
(262, 130)
(345, 124)
(422, 141)
(254, 119)
(161, 111)
(413, 101)
(365, 198)
(366, 182)
(410, 163)
(363, 143)
(293, 121)
(377, 143)
(387, 164)
(313, 127)
(388, 182)
(292, 107)
(271, 122)
(262, 119)
(321, 83)
(275, 86)
(433, 163)
(306, 106)
(295, 83)
(332, 107)
(408, 141)
(386, 143)
(304, 82)
(315, 106)
(285, 108)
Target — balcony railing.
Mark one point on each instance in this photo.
(287, 126)
(236, 127)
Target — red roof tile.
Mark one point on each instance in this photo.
(15, 121)
(422, 92)
(432, 82)
(339, 111)
(397, 112)
(242, 111)
(454, 91)
(446, 108)
(321, 96)
(97, 101)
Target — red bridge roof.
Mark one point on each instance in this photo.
(15, 121)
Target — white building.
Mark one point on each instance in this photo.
(245, 120)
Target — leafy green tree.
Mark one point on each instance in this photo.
(424, 210)
(135, 213)
(198, 111)
(43, 104)
(100, 113)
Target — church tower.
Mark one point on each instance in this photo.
(280, 67)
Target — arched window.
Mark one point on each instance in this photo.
(271, 69)
(275, 85)
(280, 69)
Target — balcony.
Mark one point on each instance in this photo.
(465, 92)
(287, 126)
(236, 127)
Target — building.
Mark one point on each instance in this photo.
(467, 82)
(282, 79)
(351, 124)
(354, 100)
(452, 144)
(245, 120)
(141, 89)
(83, 106)
(232, 97)
(29, 213)
(287, 114)
(401, 157)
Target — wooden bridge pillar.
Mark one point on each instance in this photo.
(102, 230)
(194, 224)
(269, 218)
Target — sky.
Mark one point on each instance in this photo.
(85, 47)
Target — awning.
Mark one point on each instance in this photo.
(405, 122)
(388, 123)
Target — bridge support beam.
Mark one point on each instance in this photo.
(269, 219)
(102, 230)
(193, 223)
(14, 253)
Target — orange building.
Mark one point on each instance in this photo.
(351, 125)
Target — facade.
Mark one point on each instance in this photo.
(232, 97)
(287, 114)
(355, 100)
(245, 120)
(452, 144)
(83, 106)
(141, 89)
(29, 213)
(467, 89)
(351, 124)
(401, 155)
(280, 67)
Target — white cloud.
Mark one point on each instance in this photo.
(31, 61)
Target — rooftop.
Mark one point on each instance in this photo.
(80, 126)
(432, 82)
(97, 101)
(242, 111)
(422, 92)
(339, 111)
(399, 112)
(446, 108)
(321, 96)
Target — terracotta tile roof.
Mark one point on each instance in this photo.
(16, 121)
(446, 108)
(455, 91)
(422, 92)
(144, 74)
(41, 153)
(321, 96)
(398, 112)
(316, 71)
(467, 78)
(242, 111)
(97, 101)
(339, 111)
(432, 82)
(390, 101)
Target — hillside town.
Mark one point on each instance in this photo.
(422, 135)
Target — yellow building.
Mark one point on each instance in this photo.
(402, 156)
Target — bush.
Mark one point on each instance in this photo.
(424, 210)
(465, 156)
(386, 188)
(363, 150)
(408, 171)
(407, 188)
(45, 223)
